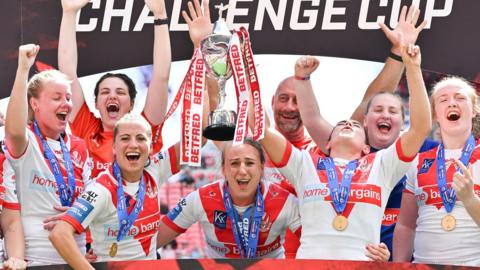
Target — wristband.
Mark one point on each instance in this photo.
(307, 78)
(160, 21)
(395, 57)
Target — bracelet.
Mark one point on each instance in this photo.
(395, 57)
(160, 21)
(307, 78)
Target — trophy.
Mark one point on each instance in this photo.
(215, 48)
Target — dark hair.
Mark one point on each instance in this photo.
(132, 91)
(249, 141)
(369, 103)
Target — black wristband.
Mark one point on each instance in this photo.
(395, 57)
(160, 21)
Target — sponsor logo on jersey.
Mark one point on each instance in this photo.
(80, 210)
(426, 164)
(359, 192)
(172, 215)
(220, 219)
(89, 196)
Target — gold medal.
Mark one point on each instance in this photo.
(113, 250)
(340, 223)
(449, 223)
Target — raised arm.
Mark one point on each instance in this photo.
(157, 95)
(390, 75)
(67, 51)
(316, 125)
(420, 112)
(405, 229)
(199, 27)
(17, 110)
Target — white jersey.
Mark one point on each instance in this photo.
(36, 193)
(206, 205)
(97, 209)
(6, 172)
(432, 244)
(372, 182)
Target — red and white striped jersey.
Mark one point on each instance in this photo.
(206, 205)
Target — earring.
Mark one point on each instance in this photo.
(148, 162)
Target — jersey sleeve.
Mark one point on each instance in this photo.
(163, 165)
(185, 214)
(411, 183)
(291, 164)
(394, 164)
(10, 199)
(88, 206)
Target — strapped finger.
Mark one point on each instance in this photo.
(410, 13)
(198, 8)
(186, 17)
(403, 14)
(191, 9)
(416, 16)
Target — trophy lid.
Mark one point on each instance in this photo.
(220, 27)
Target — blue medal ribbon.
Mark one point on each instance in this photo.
(245, 231)
(339, 193)
(66, 192)
(449, 197)
(126, 220)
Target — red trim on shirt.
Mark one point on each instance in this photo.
(285, 158)
(75, 224)
(11, 206)
(401, 155)
(172, 225)
(408, 191)
(173, 160)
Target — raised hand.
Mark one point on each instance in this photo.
(305, 66)
(26, 55)
(199, 23)
(157, 7)
(405, 32)
(379, 253)
(411, 55)
(73, 5)
(463, 183)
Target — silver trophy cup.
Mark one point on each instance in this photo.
(221, 122)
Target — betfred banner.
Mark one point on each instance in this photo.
(114, 34)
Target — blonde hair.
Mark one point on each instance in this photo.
(133, 118)
(471, 92)
(38, 80)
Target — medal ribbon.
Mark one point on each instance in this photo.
(259, 113)
(449, 197)
(66, 192)
(126, 220)
(246, 234)
(339, 193)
